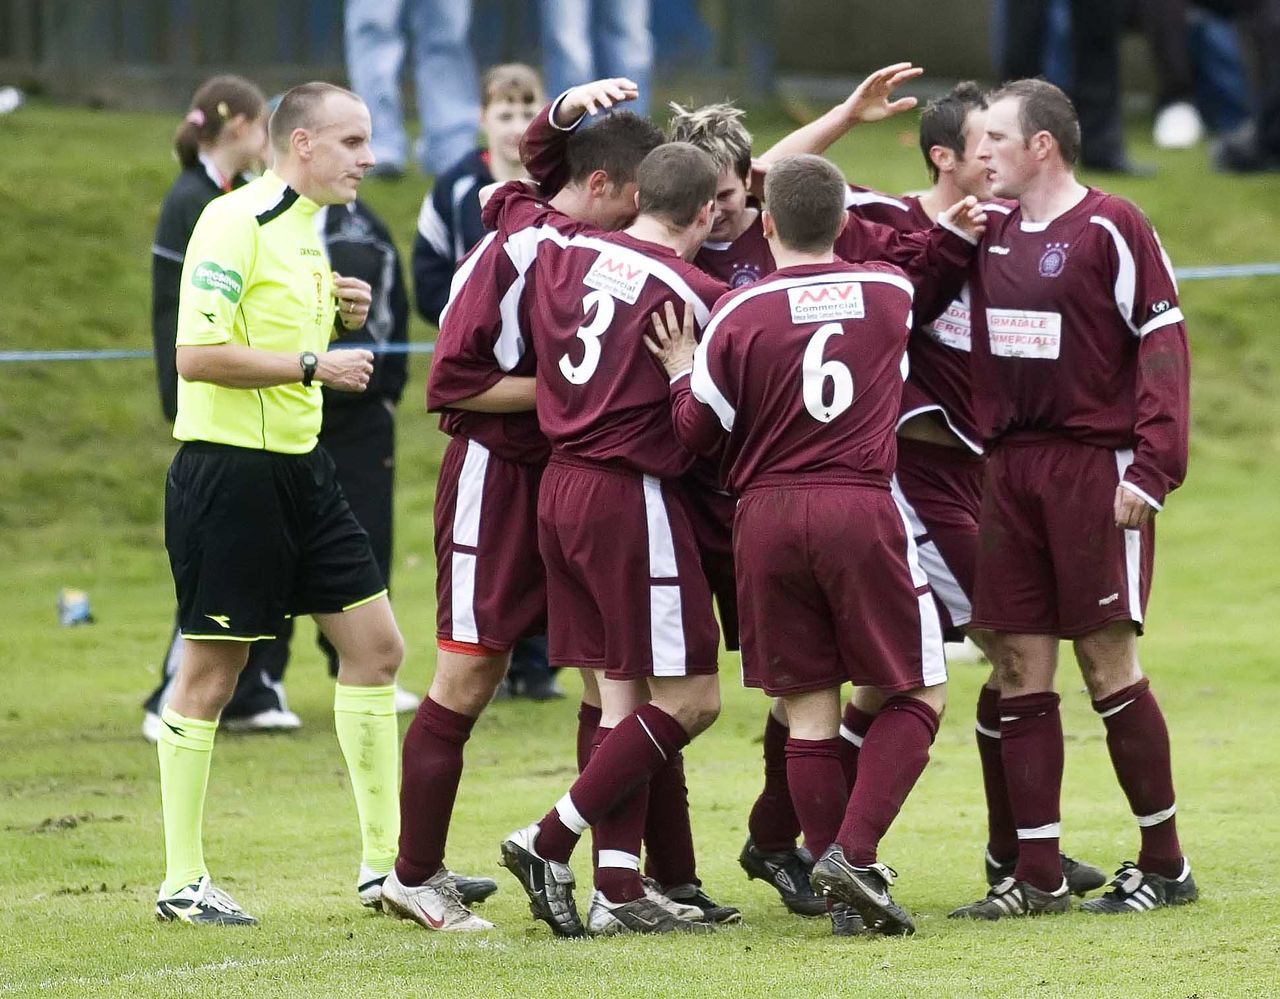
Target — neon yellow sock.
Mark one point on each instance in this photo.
(365, 719)
(186, 750)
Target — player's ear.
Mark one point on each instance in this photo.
(300, 142)
(766, 224)
(1042, 144)
(598, 184)
(943, 159)
(706, 214)
(844, 222)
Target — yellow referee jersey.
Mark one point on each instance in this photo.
(255, 273)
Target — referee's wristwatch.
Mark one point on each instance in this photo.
(309, 362)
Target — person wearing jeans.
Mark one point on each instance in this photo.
(592, 39)
(378, 33)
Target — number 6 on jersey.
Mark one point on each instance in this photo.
(816, 373)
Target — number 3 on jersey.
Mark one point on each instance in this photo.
(590, 334)
(816, 373)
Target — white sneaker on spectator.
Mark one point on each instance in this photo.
(963, 652)
(1178, 126)
(406, 702)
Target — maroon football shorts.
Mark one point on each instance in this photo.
(625, 590)
(830, 591)
(490, 584)
(940, 490)
(711, 514)
(1051, 560)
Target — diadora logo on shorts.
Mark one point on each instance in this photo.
(221, 620)
(826, 302)
(1109, 600)
(622, 277)
(1002, 251)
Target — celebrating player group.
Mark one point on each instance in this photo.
(697, 396)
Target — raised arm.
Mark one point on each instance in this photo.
(543, 145)
(871, 101)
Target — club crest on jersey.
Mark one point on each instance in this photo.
(620, 276)
(1054, 259)
(821, 303)
(743, 275)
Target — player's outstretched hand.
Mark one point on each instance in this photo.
(1131, 510)
(872, 100)
(967, 215)
(594, 97)
(673, 341)
(346, 370)
(354, 298)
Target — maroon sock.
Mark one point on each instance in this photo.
(432, 767)
(632, 753)
(853, 732)
(617, 844)
(892, 758)
(668, 836)
(817, 788)
(773, 824)
(588, 720)
(598, 735)
(1139, 745)
(1031, 748)
(1002, 834)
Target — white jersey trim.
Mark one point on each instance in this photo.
(462, 273)
(950, 227)
(1167, 318)
(1145, 497)
(1126, 272)
(936, 408)
(854, 199)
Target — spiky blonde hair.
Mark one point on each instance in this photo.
(718, 131)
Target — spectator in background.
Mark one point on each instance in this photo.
(444, 73)
(1258, 148)
(221, 139)
(594, 39)
(448, 227)
(1095, 55)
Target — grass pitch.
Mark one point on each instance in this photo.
(83, 452)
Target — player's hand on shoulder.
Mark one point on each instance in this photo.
(1131, 510)
(673, 341)
(872, 100)
(594, 97)
(968, 215)
(354, 298)
(347, 370)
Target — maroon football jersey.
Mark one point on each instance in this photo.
(586, 306)
(542, 150)
(478, 345)
(938, 351)
(935, 260)
(1077, 332)
(804, 370)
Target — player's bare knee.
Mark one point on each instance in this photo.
(935, 696)
(466, 684)
(1108, 659)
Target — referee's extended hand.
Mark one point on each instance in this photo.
(346, 370)
(354, 298)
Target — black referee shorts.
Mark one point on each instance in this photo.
(255, 537)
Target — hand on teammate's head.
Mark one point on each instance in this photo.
(598, 95)
(871, 100)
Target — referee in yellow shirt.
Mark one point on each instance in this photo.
(256, 526)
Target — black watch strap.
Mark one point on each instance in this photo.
(309, 362)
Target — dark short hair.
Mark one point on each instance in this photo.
(616, 144)
(675, 181)
(512, 81)
(804, 196)
(297, 109)
(943, 120)
(1044, 108)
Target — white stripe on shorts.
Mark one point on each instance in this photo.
(933, 660)
(466, 531)
(618, 858)
(1132, 548)
(941, 578)
(666, 613)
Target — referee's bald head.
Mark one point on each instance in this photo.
(303, 107)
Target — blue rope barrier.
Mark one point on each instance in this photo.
(1211, 273)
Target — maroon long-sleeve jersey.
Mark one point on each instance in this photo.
(804, 371)
(585, 309)
(1077, 332)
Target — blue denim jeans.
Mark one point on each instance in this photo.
(585, 40)
(378, 34)
(1222, 84)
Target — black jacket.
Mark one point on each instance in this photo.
(360, 245)
(448, 226)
